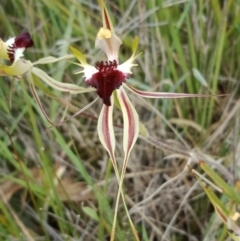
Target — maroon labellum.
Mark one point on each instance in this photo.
(107, 79)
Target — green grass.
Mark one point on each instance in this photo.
(191, 47)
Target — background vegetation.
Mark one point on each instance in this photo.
(46, 175)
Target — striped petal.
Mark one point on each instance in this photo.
(130, 127)
(130, 121)
(160, 95)
(106, 132)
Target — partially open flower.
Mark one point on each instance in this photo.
(12, 50)
(16, 46)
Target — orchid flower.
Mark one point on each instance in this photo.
(110, 79)
(12, 51)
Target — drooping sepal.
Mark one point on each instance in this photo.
(130, 122)
(106, 132)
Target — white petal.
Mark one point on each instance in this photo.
(126, 67)
(88, 71)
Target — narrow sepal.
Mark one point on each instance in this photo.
(107, 23)
(163, 95)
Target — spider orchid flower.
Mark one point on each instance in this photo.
(12, 50)
(110, 79)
